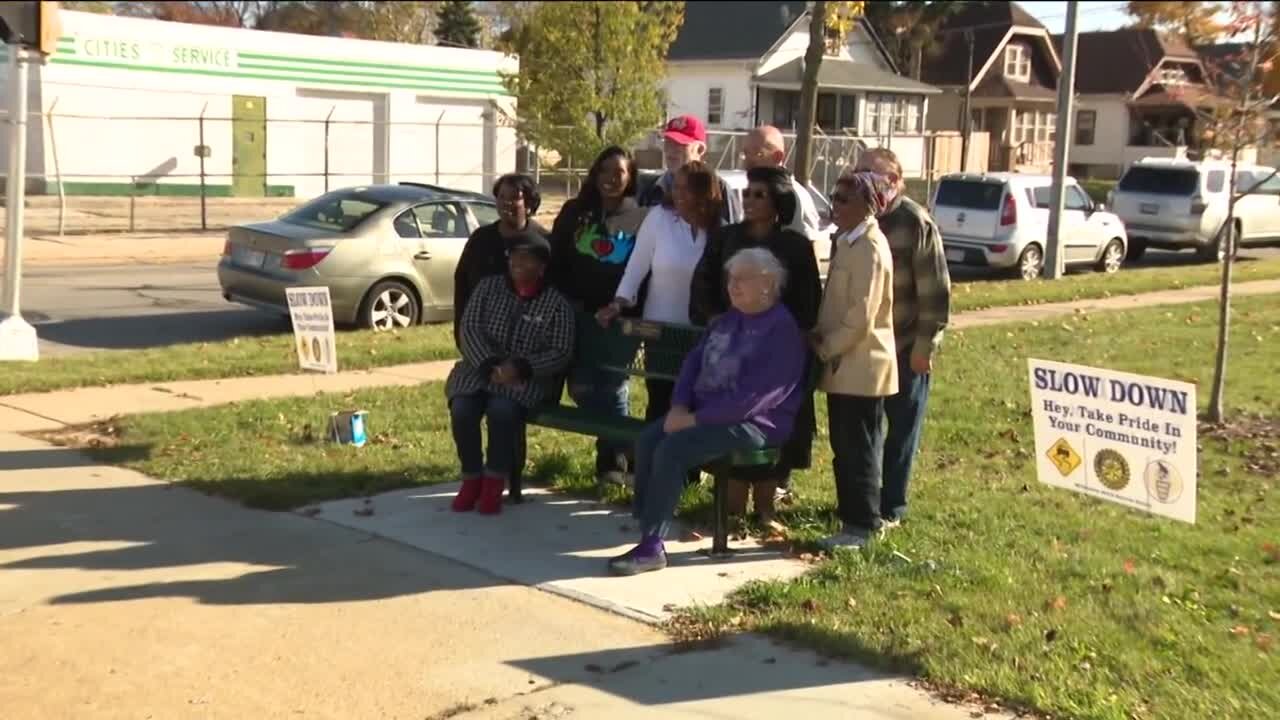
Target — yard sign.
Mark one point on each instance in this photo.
(1130, 439)
(313, 335)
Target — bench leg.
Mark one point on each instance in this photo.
(720, 540)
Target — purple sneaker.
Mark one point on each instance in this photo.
(649, 555)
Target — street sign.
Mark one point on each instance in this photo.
(1129, 439)
(312, 315)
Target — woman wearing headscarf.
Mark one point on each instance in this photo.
(591, 241)
(854, 341)
(768, 205)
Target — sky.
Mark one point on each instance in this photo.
(1092, 15)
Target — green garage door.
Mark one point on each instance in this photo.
(248, 146)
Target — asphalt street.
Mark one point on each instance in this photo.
(116, 307)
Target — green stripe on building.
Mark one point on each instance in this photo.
(156, 189)
(475, 89)
(486, 74)
(321, 75)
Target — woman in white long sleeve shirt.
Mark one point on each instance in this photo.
(668, 247)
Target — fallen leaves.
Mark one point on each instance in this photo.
(1129, 566)
(1012, 621)
(1057, 604)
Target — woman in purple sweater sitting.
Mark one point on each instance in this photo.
(739, 390)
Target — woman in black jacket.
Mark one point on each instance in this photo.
(768, 204)
(591, 241)
(485, 253)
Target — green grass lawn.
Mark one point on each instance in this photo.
(267, 355)
(1092, 285)
(1037, 596)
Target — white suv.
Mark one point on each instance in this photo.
(1001, 220)
(1179, 205)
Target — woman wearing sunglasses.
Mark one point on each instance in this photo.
(854, 340)
(768, 205)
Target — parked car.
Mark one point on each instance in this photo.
(1180, 205)
(386, 252)
(1001, 221)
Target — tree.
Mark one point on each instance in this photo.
(1237, 119)
(93, 6)
(457, 25)
(829, 23)
(224, 14)
(590, 72)
(909, 30)
(1196, 22)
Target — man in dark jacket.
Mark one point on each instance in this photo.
(685, 141)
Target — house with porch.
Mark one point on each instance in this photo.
(737, 65)
(1138, 94)
(1002, 63)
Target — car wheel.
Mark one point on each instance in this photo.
(1216, 250)
(1137, 248)
(1031, 263)
(1112, 257)
(389, 305)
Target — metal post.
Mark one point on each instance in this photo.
(437, 152)
(966, 122)
(57, 171)
(17, 337)
(327, 120)
(1053, 261)
(204, 213)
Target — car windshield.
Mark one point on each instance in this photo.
(339, 211)
(1160, 181)
(969, 194)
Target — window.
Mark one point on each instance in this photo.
(1017, 62)
(342, 211)
(786, 108)
(848, 111)
(715, 106)
(406, 225)
(1171, 76)
(1159, 181)
(1033, 126)
(893, 113)
(440, 220)
(1086, 121)
(1043, 197)
(1075, 199)
(485, 214)
(827, 111)
(831, 43)
(1216, 181)
(972, 194)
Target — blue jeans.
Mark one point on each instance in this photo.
(606, 393)
(663, 461)
(506, 431)
(905, 413)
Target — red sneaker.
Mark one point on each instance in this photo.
(491, 496)
(468, 494)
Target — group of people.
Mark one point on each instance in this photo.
(685, 251)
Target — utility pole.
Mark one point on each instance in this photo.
(967, 120)
(17, 337)
(1066, 110)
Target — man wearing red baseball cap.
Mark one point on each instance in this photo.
(684, 140)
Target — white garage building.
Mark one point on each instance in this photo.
(119, 107)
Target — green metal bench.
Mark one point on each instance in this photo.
(640, 348)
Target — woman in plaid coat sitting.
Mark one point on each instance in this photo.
(516, 338)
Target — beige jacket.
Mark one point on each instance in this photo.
(855, 321)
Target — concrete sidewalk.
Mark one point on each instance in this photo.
(126, 597)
